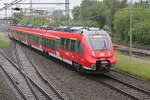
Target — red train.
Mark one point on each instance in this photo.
(87, 49)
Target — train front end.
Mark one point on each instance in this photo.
(100, 54)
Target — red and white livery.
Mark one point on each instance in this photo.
(87, 49)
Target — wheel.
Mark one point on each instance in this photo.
(45, 53)
(78, 67)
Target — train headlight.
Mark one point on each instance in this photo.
(110, 53)
(93, 53)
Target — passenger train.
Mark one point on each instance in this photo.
(87, 49)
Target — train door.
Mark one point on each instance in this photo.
(73, 55)
(57, 47)
(78, 51)
(40, 42)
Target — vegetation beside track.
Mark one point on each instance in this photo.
(135, 66)
(4, 42)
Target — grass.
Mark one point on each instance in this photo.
(4, 42)
(135, 66)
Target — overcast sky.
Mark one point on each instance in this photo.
(72, 4)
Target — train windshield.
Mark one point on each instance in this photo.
(99, 42)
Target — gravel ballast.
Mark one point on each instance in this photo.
(75, 85)
(6, 90)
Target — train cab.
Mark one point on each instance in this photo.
(98, 50)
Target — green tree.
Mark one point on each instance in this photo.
(91, 12)
(76, 13)
(58, 16)
(36, 20)
(114, 5)
(99, 13)
(141, 25)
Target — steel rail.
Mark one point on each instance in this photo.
(129, 85)
(24, 75)
(30, 80)
(14, 82)
(34, 83)
(42, 77)
(115, 89)
(126, 74)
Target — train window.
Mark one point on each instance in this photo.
(67, 44)
(72, 46)
(57, 44)
(30, 38)
(35, 39)
(42, 41)
(81, 49)
(46, 40)
(78, 47)
(47, 43)
(62, 43)
(53, 44)
(50, 44)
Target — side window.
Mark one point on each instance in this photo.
(50, 44)
(62, 44)
(47, 43)
(37, 41)
(78, 47)
(57, 44)
(67, 47)
(72, 45)
(81, 49)
(53, 44)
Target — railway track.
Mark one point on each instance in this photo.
(141, 53)
(130, 89)
(29, 86)
(122, 87)
(36, 77)
(17, 77)
(126, 74)
(130, 79)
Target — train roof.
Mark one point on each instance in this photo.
(81, 30)
(47, 33)
(87, 30)
(65, 31)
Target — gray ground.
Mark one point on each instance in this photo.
(6, 92)
(75, 85)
